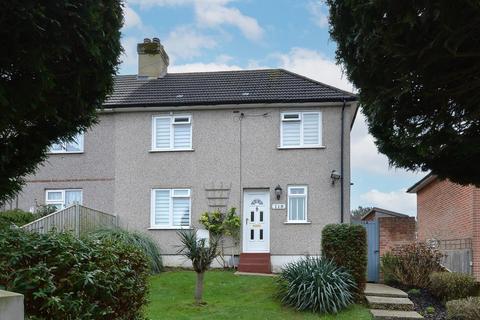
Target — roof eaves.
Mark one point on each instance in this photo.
(422, 183)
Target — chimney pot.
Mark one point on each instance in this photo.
(152, 59)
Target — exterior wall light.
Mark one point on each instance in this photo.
(335, 176)
(278, 191)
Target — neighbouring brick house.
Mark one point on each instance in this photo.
(449, 213)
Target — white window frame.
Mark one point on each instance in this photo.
(170, 209)
(80, 137)
(300, 119)
(304, 195)
(172, 135)
(62, 191)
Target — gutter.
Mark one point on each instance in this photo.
(341, 160)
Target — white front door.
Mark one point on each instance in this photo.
(256, 221)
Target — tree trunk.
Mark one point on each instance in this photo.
(199, 288)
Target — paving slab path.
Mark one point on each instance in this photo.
(387, 303)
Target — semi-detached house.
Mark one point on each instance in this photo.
(170, 146)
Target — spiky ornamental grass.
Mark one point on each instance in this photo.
(315, 284)
(145, 243)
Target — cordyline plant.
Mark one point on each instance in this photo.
(201, 253)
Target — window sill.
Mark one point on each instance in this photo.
(299, 222)
(298, 147)
(170, 228)
(171, 150)
(61, 153)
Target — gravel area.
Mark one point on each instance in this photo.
(423, 301)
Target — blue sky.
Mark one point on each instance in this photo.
(209, 35)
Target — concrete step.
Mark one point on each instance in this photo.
(381, 290)
(390, 303)
(394, 315)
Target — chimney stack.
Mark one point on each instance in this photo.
(152, 59)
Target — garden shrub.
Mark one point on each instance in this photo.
(316, 284)
(346, 245)
(464, 309)
(452, 285)
(142, 241)
(17, 217)
(387, 266)
(63, 277)
(412, 264)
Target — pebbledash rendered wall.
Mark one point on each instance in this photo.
(118, 170)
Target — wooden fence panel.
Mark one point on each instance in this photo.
(76, 218)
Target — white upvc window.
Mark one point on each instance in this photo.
(301, 130)
(62, 198)
(297, 204)
(172, 133)
(74, 146)
(170, 209)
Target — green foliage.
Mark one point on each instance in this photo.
(317, 285)
(346, 245)
(17, 217)
(416, 66)
(360, 211)
(430, 310)
(414, 292)
(44, 210)
(139, 240)
(452, 285)
(388, 265)
(63, 277)
(411, 264)
(57, 64)
(219, 223)
(464, 309)
(199, 251)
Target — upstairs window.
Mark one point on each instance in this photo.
(170, 208)
(63, 198)
(74, 146)
(172, 133)
(301, 129)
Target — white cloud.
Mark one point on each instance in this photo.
(132, 19)
(129, 56)
(186, 42)
(319, 12)
(203, 67)
(399, 200)
(213, 13)
(315, 65)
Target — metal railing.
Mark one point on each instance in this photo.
(76, 218)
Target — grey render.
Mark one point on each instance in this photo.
(117, 170)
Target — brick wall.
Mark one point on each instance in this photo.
(444, 211)
(476, 234)
(395, 232)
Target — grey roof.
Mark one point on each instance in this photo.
(384, 211)
(419, 185)
(222, 87)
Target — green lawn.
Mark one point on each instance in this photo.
(228, 297)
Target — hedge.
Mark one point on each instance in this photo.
(63, 277)
(346, 245)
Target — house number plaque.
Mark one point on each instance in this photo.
(278, 206)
